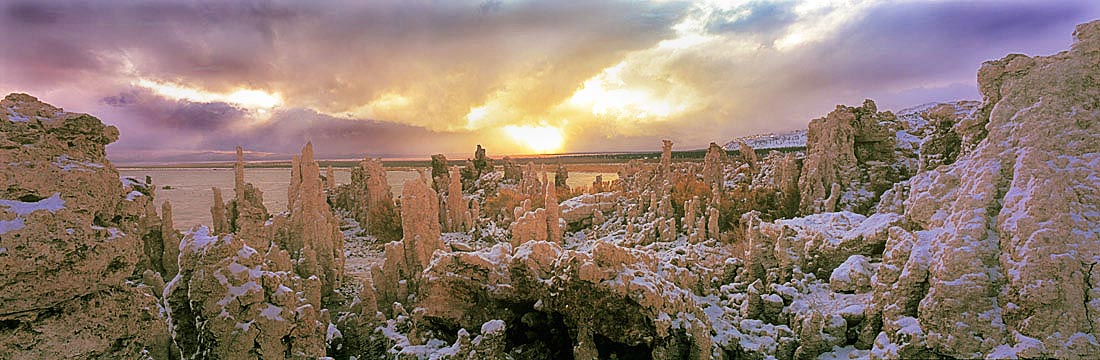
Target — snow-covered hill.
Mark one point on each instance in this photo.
(796, 138)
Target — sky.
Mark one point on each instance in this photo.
(191, 80)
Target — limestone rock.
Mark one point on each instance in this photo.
(748, 155)
(997, 225)
(512, 171)
(553, 214)
(312, 234)
(853, 275)
(531, 226)
(218, 215)
(561, 175)
(456, 205)
(440, 177)
(247, 214)
(71, 232)
(854, 148)
(369, 201)
(228, 301)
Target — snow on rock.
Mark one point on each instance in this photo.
(1010, 226)
(854, 275)
(792, 139)
(51, 204)
(70, 241)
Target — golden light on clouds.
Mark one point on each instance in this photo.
(539, 139)
(251, 99)
(609, 95)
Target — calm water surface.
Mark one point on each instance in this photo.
(191, 194)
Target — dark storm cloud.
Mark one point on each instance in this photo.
(176, 115)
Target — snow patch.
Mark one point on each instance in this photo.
(51, 204)
(272, 312)
(11, 225)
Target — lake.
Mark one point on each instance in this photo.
(192, 197)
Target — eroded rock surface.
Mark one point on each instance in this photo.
(72, 235)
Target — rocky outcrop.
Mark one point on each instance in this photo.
(666, 159)
(440, 177)
(368, 199)
(405, 260)
(603, 303)
(553, 214)
(312, 235)
(748, 155)
(247, 214)
(218, 215)
(475, 168)
(512, 171)
(233, 301)
(853, 148)
(1010, 225)
(71, 233)
(962, 261)
(561, 175)
(456, 205)
(261, 290)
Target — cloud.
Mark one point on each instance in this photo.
(408, 78)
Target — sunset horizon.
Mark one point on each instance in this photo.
(543, 179)
(185, 81)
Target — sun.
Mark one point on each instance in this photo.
(540, 139)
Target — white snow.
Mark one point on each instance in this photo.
(200, 238)
(66, 164)
(133, 195)
(245, 288)
(129, 181)
(272, 312)
(51, 204)
(244, 326)
(16, 117)
(492, 327)
(22, 209)
(332, 333)
(796, 138)
(11, 225)
(844, 275)
(246, 252)
(847, 352)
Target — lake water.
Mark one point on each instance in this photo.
(192, 197)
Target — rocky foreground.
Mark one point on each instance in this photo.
(966, 229)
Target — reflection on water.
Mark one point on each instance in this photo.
(191, 194)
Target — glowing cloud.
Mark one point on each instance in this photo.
(646, 97)
(540, 139)
(250, 99)
(818, 20)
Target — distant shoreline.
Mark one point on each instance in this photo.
(564, 159)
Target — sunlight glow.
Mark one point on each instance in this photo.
(607, 94)
(476, 116)
(540, 139)
(246, 98)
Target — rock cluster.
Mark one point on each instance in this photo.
(849, 160)
(260, 289)
(73, 238)
(405, 260)
(368, 200)
(961, 229)
(961, 264)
